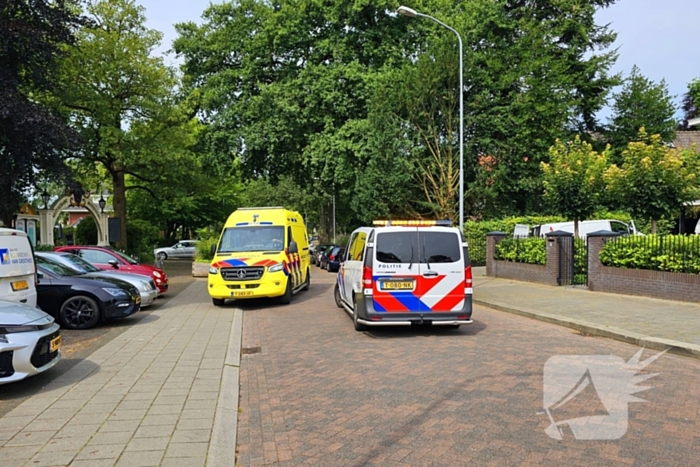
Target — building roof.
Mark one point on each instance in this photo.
(685, 139)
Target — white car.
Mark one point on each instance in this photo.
(17, 268)
(144, 284)
(182, 249)
(30, 341)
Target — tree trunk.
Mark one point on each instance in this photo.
(653, 226)
(119, 203)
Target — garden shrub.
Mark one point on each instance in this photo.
(522, 250)
(204, 249)
(673, 253)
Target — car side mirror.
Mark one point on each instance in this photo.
(39, 275)
(213, 250)
(114, 263)
(293, 247)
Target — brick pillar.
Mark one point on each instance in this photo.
(596, 241)
(492, 238)
(552, 266)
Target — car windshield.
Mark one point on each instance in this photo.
(125, 257)
(237, 239)
(78, 263)
(56, 268)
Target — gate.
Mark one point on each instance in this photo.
(573, 260)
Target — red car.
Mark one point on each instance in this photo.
(108, 259)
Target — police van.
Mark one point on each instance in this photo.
(402, 273)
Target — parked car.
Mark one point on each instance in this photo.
(318, 253)
(334, 259)
(144, 284)
(182, 249)
(108, 259)
(78, 302)
(323, 258)
(17, 269)
(30, 341)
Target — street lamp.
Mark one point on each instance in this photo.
(45, 197)
(411, 13)
(102, 204)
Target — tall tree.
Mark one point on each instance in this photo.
(640, 103)
(691, 104)
(122, 100)
(32, 138)
(654, 180)
(573, 179)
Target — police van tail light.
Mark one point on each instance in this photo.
(367, 277)
(468, 280)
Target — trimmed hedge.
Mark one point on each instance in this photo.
(204, 249)
(522, 250)
(672, 253)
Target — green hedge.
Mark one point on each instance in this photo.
(522, 250)
(204, 249)
(43, 248)
(673, 253)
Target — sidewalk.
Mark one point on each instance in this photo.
(646, 322)
(147, 398)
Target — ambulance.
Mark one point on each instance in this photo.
(403, 273)
(261, 253)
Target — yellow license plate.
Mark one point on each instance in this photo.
(138, 299)
(403, 285)
(19, 285)
(242, 294)
(56, 343)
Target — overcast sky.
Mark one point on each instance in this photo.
(660, 37)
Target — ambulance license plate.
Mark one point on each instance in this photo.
(55, 344)
(242, 294)
(396, 285)
(19, 285)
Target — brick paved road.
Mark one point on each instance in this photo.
(318, 393)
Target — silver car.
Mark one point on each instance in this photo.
(182, 249)
(144, 284)
(30, 341)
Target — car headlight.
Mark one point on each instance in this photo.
(115, 292)
(15, 329)
(213, 270)
(276, 267)
(157, 274)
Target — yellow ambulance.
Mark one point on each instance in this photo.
(262, 252)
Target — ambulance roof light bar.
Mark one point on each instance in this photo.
(413, 223)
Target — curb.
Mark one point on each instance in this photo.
(222, 448)
(640, 340)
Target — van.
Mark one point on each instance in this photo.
(261, 253)
(587, 227)
(17, 268)
(402, 273)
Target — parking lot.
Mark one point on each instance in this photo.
(78, 344)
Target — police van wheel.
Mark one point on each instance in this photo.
(358, 326)
(218, 301)
(307, 284)
(286, 299)
(336, 295)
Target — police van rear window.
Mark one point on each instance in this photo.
(418, 247)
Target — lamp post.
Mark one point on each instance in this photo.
(45, 197)
(411, 13)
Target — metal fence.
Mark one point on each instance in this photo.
(477, 249)
(674, 253)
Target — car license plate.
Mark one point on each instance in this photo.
(396, 285)
(55, 344)
(242, 293)
(19, 285)
(138, 299)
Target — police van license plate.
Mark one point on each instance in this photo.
(19, 285)
(396, 285)
(242, 294)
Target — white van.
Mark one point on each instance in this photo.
(402, 273)
(17, 268)
(587, 227)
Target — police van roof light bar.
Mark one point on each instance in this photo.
(413, 223)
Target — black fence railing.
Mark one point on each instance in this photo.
(477, 249)
(673, 253)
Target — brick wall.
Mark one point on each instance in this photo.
(657, 284)
(542, 274)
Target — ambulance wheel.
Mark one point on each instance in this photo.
(307, 284)
(286, 299)
(336, 295)
(358, 326)
(218, 301)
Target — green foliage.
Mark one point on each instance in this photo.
(573, 179)
(86, 232)
(640, 104)
(654, 180)
(675, 253)
(204, 249)
(522, 250)
(143, 237)
(475, 232)
(43, 247)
